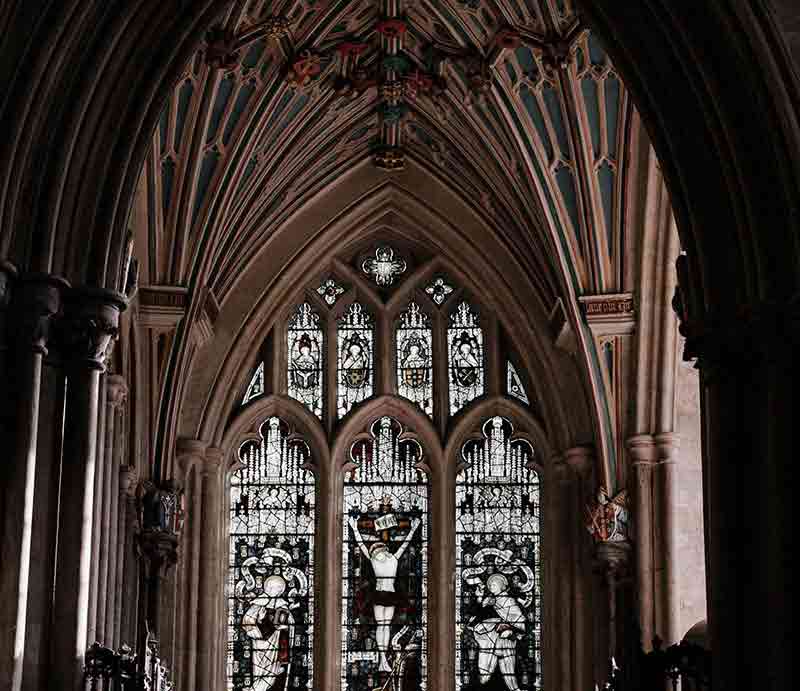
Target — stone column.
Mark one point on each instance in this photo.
(581, 460)
(642, 451)
(130, 576)
(91, 320)
(117, 392)
(210, 571)
(669, 624)
(190, 460)
(37, 299)
(562, 572)
(99, 510)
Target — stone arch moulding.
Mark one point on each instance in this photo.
(366, 208)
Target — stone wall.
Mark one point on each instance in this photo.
(690, 548)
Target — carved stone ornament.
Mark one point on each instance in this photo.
(389, 158)
(37, 301)
(90, 322)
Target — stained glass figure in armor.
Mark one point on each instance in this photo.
(498, 597)
(271, 567)
(305, 342)
(465, 340)
(415, 358)
(384, 588)
(355, 358)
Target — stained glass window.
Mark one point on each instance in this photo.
(256, 386)
(329, 290)
(354, 367)
(271, 564)
(305, 357)
(384, 267)
(498, 589)
(438, 290)
(514, 384)
(415, 358)
(465, 353)
(385, 563)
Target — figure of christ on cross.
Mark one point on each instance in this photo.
(384, 565)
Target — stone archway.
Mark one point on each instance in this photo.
(718, 94)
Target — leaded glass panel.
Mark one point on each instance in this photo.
(354, 367)
(271, 564)
(498, 589)
(514, 384)
(305, 344)
(384, 563)
(384, 267)
(256, 386)
(415, 358)
(465, 353)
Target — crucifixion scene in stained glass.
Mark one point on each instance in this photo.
(305, 342)
(384, 563)
(498, 589)
(465, 352)
(271, 565)
(415, 358)
(354, 365)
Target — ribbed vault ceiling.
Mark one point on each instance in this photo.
(513, 104)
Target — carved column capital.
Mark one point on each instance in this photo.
(190, 452)
(642, 449)
(667, 446)
(90, 323)
(117, 390)
(37, 299)
(214, 460)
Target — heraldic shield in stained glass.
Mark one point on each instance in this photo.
(465, 351)
(271, 565)
(385, 564)
(415, 358)
(354, 368)
(305, 346)
(498, 592)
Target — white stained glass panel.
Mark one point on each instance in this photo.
(355, 352)
(514, 385)
(256, 386)
(465, 353)
(498, 588)
(271, 564)
(305, 343)
(415, 358)
(385, 564)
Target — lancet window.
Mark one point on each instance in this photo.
(498, 589)
(384, 562)
(271, 563)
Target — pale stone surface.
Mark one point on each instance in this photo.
(690, 548)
